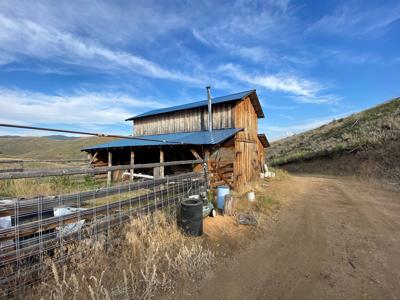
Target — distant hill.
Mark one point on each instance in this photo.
(372, 137)
(45, 147)
(60, 137)
(8, 136)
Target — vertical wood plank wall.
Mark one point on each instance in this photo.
(247, 151)
(185, 121)
(261, 154)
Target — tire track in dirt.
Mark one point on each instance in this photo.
(338, 239)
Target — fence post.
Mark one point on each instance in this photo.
(109, 173)
(161, 170)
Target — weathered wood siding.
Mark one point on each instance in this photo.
(185, 121)
(247, 151)
(261, 154)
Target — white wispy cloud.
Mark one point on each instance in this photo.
(301, 89)
(247, 29)
(25, 38)
(81, 108)
(356, 18)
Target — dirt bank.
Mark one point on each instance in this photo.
(338, 239)
(379, 164)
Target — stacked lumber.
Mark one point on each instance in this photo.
(221, 173)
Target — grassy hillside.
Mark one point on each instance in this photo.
(371, 135)
(45, 148)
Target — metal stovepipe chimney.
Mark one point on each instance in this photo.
(210, 121)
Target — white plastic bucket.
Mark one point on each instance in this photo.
(221, 192)
(251, 196)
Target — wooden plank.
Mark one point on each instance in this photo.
(93, 157)
(30, 206)
(185, 120)
(217, 183)
(222, 176)
(97, 170)
(246, 141)
(207, 165)
(9, 161)
(196, 155)
(132, 170)
(11, 170)
(109, 173)
(53, 222)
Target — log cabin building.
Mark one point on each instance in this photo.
(229, 139)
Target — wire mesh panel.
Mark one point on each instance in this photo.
(42, 229)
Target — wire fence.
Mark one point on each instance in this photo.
(36, 230)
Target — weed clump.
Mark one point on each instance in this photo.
(149, 259)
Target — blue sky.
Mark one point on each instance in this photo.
(91, 64)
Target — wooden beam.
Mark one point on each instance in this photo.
(97, 170)
(93, 157)
(53, 222)
(10, 161)
(132, 171)
(11, 170)
(93, 228)
(30, 206)
(207, 164)
(109, 173)
(194, 152)
(220, 175)
(246, 141)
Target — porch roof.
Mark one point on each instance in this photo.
(214, 137)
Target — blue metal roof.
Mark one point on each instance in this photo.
(192, 138)
(228, 98)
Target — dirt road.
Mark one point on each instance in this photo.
(338, 239)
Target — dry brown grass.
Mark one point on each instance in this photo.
(48, 186)
(265, 203)
(372, 128)
(150, 258)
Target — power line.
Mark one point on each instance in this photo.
(89, 133)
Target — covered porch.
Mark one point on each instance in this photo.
(216, 147)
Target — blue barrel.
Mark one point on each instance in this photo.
(221, 192)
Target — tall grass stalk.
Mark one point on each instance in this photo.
(149, 260)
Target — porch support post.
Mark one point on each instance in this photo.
(161, 172)
(158, 172)
(132, 163)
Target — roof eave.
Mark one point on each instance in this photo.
(260, 113)
(256, 104)
(263, 139)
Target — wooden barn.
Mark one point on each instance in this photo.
(229, 139)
